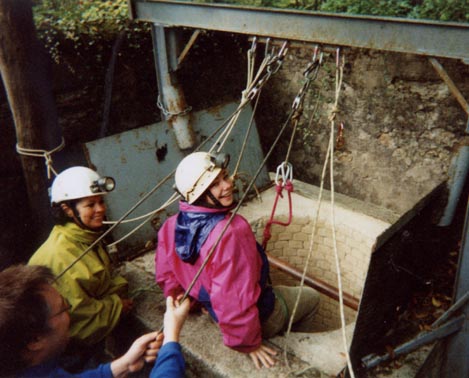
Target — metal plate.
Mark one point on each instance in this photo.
(131, 158)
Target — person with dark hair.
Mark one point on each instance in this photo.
(34, 325)
(234, 286)
(98, 299)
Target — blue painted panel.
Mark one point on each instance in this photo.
(131, 158)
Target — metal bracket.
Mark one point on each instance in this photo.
(452, 87)
(188, 46)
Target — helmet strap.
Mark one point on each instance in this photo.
(215, 200)
(77, 219)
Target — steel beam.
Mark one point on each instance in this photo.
(440, 39)
(456, 363)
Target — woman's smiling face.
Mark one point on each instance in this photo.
(92, 211)
(222, 189)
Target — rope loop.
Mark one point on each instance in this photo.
(169, 114)
(47, 155)
(286, 183)
(333, 113)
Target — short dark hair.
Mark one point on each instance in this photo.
(24, 313)
(58, 214)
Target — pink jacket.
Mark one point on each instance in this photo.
(231, 278)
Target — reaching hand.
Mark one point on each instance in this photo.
(263, 355)
(174, 317)
(144, 349)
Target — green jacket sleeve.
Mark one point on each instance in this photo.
(88, 285)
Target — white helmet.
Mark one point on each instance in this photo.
(196, 172)
(79, 182)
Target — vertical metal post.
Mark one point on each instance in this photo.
(457, 177)
(456, 363)
(171, 96)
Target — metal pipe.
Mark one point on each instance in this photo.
(449, 312)
(319, 285)
(455, 362)
(171, 99)
(423, 338)
(457, 176)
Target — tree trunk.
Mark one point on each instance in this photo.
(24, 67)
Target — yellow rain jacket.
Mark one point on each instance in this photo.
(88, 285)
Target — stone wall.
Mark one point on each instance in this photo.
(357, 227)
(402, 125)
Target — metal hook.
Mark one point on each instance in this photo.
(254, 44)
(283, 50)
(267, 43)
(315, 54)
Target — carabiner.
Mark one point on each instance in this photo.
(286, 171)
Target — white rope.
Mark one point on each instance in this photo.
(168, 202)
(253, 86)
(252, 89)
(47, 155)
(150, 213)
(339, 76)
(329, 159)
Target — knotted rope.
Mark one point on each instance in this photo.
(47, 155)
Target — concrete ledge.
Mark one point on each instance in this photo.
(201, 340)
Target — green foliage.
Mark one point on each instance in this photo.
(443, 10)
(74, 18)
(83, 23)
(397, 8)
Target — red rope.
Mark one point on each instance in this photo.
(278, 188)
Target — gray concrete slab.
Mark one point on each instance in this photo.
(205, 354)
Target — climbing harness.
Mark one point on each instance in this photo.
(47, 155)
(286, 181)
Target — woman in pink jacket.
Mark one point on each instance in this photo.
(234, 286)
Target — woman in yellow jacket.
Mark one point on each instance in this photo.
(97, 298)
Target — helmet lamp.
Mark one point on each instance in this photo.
(103, 184)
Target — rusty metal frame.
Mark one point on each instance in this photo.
(422, 37)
